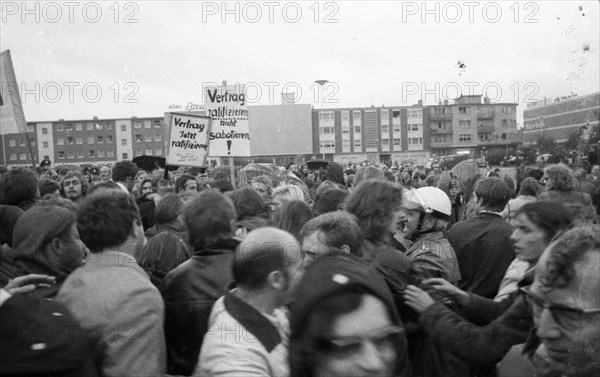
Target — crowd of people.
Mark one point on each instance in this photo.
(368, 270)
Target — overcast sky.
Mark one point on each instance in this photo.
(161, 53)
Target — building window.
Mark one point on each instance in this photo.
(385, 128)
(356, 115)
(45, 131)
(109, 126)
(463, 109)
(137, 124)
(385, 117)
(464, 137)
(60, 141)
(70, 154)
(357, 143)
(45, 144)
(397, 142)
(92, 153)
(100, 153)
(90, 140)
(415, 140)
(356, 129)
(90, 126)
(148, 137)
(385, 142)
(110, 153)
(138, 138)
(503, 136)
(156, 123)
(78, 127)
(325, 116)
(59, 127)
(345, 116)
(371, 135)
(123, 141)
(345, 144)
(147, 124)
(79, 140)
(326, 130)
(149, 152)
(70, 140)
(464, 124)
(158, 151)
(79, 154)
(100, 139)
(32, 143)
(504, 123)
(109, 139)
(139, 152)
(414, 127)
(61, 155)
(12, 142)
(124, 156)
(439, 110)
(22, 142)
(123, 127)
(13, 156)
(69, 127)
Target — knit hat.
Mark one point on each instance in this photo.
(333, 274)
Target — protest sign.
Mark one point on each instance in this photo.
(186, 139)
(12, 118)
(229, 135)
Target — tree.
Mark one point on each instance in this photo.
(527, 154)
(546, 144)
(572, 142)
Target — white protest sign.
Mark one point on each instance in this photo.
(186, 141)
(229, 135)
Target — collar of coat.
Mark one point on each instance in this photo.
(257, 324)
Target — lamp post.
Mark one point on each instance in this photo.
(321, 83)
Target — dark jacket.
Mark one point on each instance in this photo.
(147, 207)
(427, 359)
(190, 291)
(484, 251)
(483, 332)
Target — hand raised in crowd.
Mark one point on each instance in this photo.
(28, 283)
(446, 289)
(417, 298)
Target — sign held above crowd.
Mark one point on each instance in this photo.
(227, 107)
(186, 139)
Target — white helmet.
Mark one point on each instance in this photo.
(428, 199)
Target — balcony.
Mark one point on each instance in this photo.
(486, 128)
(446, 116)
(439, 131)
(485, 115)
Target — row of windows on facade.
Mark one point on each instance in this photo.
(371, 143)
(467, 137)
(108, 153)
(101, 139)
(156, 123)
(418, 127)
(357, 129)
(410, 113)
(328, 116)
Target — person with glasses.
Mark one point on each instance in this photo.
(344, 322)
(565, 304)
(479, 330)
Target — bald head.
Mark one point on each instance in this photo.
(262, 252)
